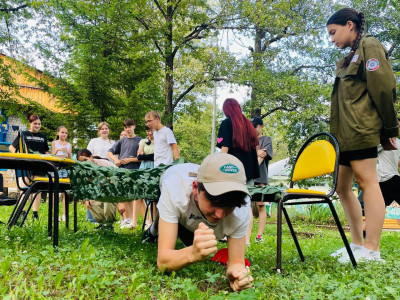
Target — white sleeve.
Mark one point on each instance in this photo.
(170, 137)
(90, 146)
(167, 208)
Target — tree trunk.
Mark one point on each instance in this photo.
(169, 70)
(256, 55)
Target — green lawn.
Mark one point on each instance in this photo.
(102, 265)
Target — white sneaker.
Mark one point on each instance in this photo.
(128, 224)
(345, 258)
(121, 222)
(363, 255)
(343, 252)
(371, 256)
(63, 218)
(125, 222)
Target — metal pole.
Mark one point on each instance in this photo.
(213, 118)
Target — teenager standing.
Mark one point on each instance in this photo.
(362, 116)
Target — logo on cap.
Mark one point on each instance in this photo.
(229, 169)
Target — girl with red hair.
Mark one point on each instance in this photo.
(236, 136)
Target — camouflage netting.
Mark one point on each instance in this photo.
(265, 193)
(107, 184)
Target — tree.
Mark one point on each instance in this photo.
(176, 28)
(98, 59)
(196, 119)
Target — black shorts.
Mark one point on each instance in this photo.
(347, 156)
(391, 190)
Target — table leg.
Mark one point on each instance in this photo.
(50, 213)
(56, 208)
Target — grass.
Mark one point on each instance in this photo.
(115, 265)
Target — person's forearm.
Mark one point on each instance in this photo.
(175, 151)
(111, 155)
(173, 260)
(12, 149)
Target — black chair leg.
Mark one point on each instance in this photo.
(296, 242)
(16, 207)
(50, 214)
(66, 203)
(75, 215)
(279, 238)
(28, 210)
(342, 234)
(145, 215)
(20, 208)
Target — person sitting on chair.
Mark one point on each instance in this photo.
(201, 211)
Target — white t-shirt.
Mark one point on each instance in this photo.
(104, 163)
(388, 162)
(177, 206)
(99, 147)
(163, 139)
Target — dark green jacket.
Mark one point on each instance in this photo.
(362, 108)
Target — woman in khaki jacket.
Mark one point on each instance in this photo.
(362, 117)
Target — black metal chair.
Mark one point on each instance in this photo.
(34, 186)
(318, 156)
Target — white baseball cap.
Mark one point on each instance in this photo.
(222, 173)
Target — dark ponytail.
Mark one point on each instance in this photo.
(340, 18)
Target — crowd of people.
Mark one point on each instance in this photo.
(203, 204)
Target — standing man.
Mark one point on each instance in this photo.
(200, 211)
(264, 155)
(126, 149)
(165, 147)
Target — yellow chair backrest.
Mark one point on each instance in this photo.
(317, 159)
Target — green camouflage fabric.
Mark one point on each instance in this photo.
(106, 184)
(265, 193)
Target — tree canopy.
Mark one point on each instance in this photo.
(112, 59)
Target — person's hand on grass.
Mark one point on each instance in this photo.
(239, 278)
(204, 242)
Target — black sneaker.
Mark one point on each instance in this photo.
(105, 226)
(35, 215)
(148, 237)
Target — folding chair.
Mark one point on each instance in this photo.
(36, 185)
(316, 157)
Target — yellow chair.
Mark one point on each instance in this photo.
(318, 156)
(36, 185)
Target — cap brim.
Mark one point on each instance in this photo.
(219, 188)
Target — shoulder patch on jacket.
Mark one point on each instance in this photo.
(355, 58)
(372, 64)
